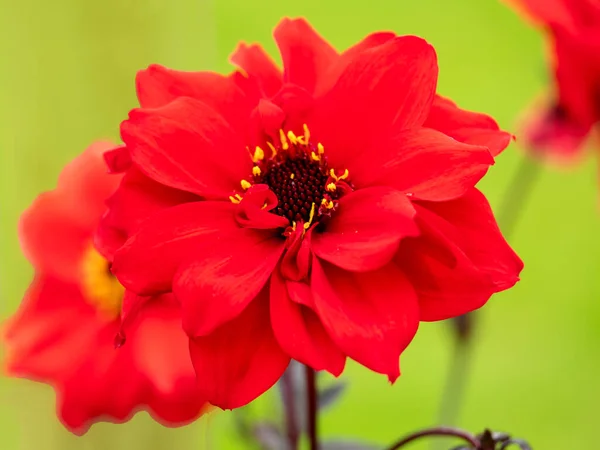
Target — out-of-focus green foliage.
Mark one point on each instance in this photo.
(67, 79)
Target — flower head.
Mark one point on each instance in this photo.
(317, 213)
(63, 333)
(557, 127)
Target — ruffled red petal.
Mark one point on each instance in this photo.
(396, 81)
(259, 67)
(306, 55)
(365, 232)
(371, 316)
(300, 332)
(148, 261)
(241, 359)
(215, 286)
(424, 163)
(467, 126)
(158, 85)
(188, 146)
(57, 228)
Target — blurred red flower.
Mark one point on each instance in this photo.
(558, 127)
(63, 333)
(315, 214)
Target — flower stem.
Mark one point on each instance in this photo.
(290, 410)
(512, 205)
(311, 393)
(437, 431)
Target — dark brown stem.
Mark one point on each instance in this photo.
(311, 392)
(290, 410)
(437, 431)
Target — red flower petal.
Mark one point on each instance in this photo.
(224, 278)
(118, 159)
(365, 231)
(371, 316)
(466, 126)
(148, 261)
(295, 264)
(444, 290)
(57, 228)
(425, 163)
(158, 85)
(259, 66)
(253, 210)
(306, 55)
(396, 81)
(137, 198)
(336, 69)
(300, 332)
(471, 224)
(187, 145)
(240, 360)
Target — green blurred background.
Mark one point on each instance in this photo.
(67, 78)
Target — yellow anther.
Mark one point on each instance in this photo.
(330, 187)
(234, 199)
(314, 156)
(310, 218)
(306, 133)
(256, 171)
(327, 203)
(292, 137)
(301, 140)
(341, 177)
(320, 148)
(259, 154)
(284, 142)
(273, 149)
(292, 175)
(245, 184)
(294, 225)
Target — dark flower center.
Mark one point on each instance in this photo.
(296, 171)
(299, 185)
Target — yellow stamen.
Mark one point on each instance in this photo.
(306, 133)
(320, 148)
(310, 218)
(256, 171)
(100, 287)
(292, 175)
(273, 149)
(330, 187)
(235, 198)
(245, 184)
(314, 156)
(327, 203)
(284, 142)
(341, 177)
(301, 140)
(292, 137)
(259, 154)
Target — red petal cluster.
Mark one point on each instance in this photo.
(61, 337)
(558, 128)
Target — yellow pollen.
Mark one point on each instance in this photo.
(306, 132)
(256, 171)
(327, 203)
(235, 198)
(259, 154)
(100, 287)
(292, 137)
(292, 175)
(301, 140)
(341, 177)
(320, 148)
(284, 142)
(314, 156)
(245, 184)
(273, 149)
(311, 217)
(330, 187)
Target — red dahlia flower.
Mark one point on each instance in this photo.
(572, 27)
(63, 333)
(314, 214)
